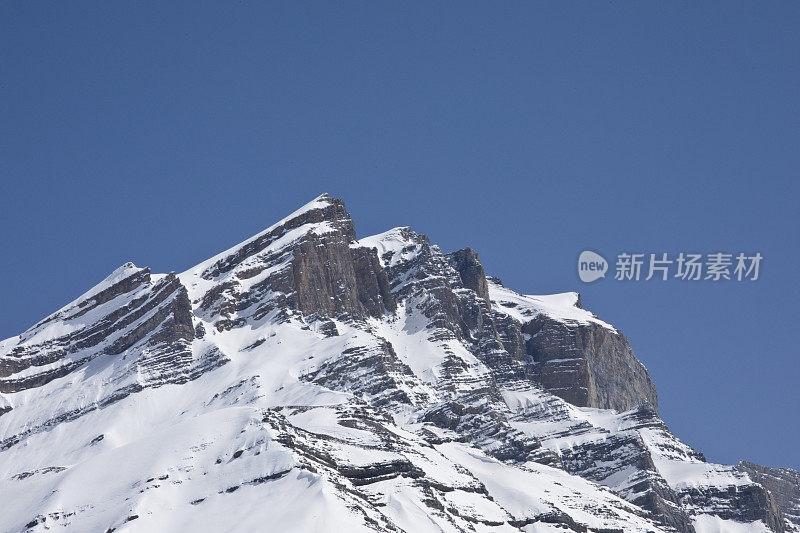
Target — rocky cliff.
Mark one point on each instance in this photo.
(308, 380)
(782, 483)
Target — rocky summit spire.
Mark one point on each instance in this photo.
(308, 262)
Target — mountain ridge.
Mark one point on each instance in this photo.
(386, 383)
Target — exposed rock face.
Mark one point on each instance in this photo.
(330, 278)
(749, 503)
(127, 309)
(470, 270)
(575, 356)
(584, 361)
(308, 263)
(379, 383)
(783, 484)
(606, 457)
(608, 374)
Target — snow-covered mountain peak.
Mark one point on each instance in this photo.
(121, 273)
(304, 380)
(321, 214)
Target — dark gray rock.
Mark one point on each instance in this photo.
(469, 268)
(329, 277)
(320, 272)
(742, 504)
(588, 365)
(168, 323)
(783, 484)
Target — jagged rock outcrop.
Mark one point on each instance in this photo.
(308, 380)
(469, 268)
(608, 374)
(307, 263)
(127, 309)
(784, 486)
(576, 356)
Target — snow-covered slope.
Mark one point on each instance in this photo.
(305, 380)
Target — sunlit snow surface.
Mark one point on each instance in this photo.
(164, 448)
(524, 307)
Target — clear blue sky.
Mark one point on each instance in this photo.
(162, 134)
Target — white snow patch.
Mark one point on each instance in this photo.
(526, 307)
(714, 524)
(394, 242)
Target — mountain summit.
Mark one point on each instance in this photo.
(308, 380)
